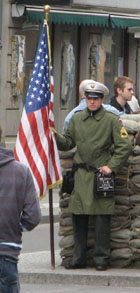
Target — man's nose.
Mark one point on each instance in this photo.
(132, 91)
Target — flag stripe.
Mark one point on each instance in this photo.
(52, 172)
(46, 139)
(36, 143)
(19, 153)
(29, 156)
(31, 144)
(35, 122)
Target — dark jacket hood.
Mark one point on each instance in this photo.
(6, 156)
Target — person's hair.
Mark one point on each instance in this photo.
(81, 91)
(81, 88)
(120, 81)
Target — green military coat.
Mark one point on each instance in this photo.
(94, 134)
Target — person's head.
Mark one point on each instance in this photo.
(124, 87)
(82, 89)
(94, 92)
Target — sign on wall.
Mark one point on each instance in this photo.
(67, 73)
(17, 64)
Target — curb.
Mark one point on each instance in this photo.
(82, 279)
(45, 212)
(36, 268)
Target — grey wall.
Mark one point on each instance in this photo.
(0, 44)
(0, 30)
(121, 4)
(0, 17)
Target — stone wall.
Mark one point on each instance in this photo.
(125, 224)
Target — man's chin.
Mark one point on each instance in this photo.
(93, 109)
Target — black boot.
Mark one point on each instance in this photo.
(74, 267)
(102, 242)
(80, 229)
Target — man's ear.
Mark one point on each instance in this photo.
(102, 100)
(119, 91)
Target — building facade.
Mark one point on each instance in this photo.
(97, 40)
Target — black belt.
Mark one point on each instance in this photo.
(88, 167)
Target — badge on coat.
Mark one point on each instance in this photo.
(120, 120)
(123, 133)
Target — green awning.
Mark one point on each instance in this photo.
(36, 17)
(124, 21)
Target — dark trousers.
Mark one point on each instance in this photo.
(9, 280)
(102, 239)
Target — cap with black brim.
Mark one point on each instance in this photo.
(94, 95)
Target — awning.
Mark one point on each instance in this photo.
(68, 17)
(124, 21)
(36, 15)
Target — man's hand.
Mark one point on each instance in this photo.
(105, 170)
(53, 129)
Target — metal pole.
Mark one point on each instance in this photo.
(51, 228)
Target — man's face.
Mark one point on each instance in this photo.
(127, 92)
(94, 104)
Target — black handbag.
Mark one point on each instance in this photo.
(68, 182)
(104, 185)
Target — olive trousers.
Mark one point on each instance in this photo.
(102, 239)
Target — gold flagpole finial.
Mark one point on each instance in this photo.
(47, 11)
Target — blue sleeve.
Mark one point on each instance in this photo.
(80, 107)
(67, 120)
(112, 109)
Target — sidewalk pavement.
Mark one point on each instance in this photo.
(36, 267)
(44, 204)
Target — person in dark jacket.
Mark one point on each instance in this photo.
(19, 211)
(123, 89)
(93, 131)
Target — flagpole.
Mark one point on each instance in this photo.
(47, 10)
(51, 228)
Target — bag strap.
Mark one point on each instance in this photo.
(88, 167)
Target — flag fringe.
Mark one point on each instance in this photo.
(55, 184)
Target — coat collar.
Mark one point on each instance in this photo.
(98, 116)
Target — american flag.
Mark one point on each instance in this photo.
(36, 144)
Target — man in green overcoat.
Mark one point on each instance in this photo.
(93, 131)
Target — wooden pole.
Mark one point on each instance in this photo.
(47, 10)
(51, 228)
